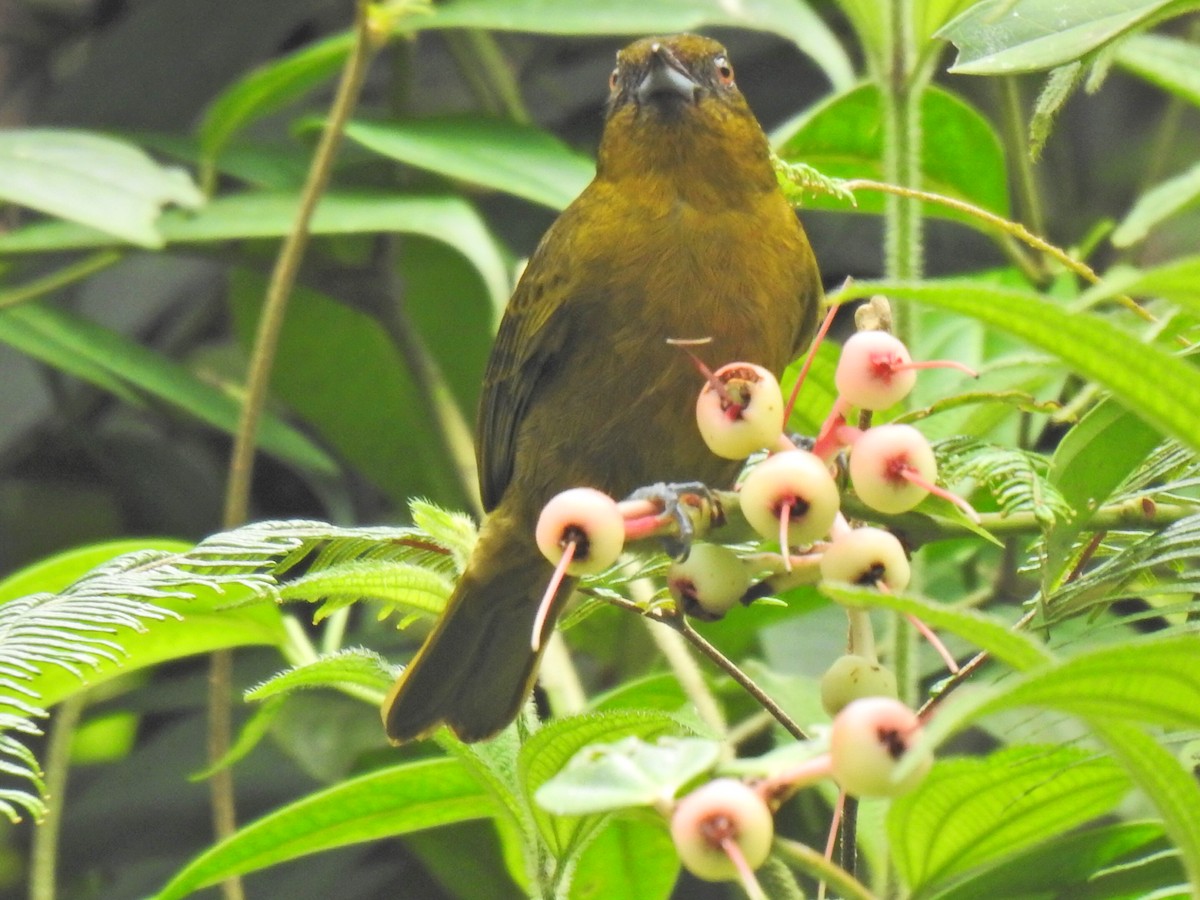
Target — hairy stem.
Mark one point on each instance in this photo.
(1015, 229)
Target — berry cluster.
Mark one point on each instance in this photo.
(723, 830)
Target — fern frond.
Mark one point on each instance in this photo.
(1169, 470)
(1015, 478)
(1162, 563)
(79, 630)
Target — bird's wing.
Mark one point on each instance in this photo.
(527, 349)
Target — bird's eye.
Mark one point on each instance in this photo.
(724, 70)
(612, 80)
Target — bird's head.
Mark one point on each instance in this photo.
(673, 106)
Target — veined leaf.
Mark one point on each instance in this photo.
(401, 799)
(1173, 790)
(553, 747)
(1147, 681)
(1010, 647)
(1069, 862)
(629, 857)
(968, 811)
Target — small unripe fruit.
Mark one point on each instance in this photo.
(709, 582)
(872, 371)
(867, 556)
(588, 517)
(723, 809)
(852, 677)
(879, 458)
(869, 738)
(748, 418)
(799, 479)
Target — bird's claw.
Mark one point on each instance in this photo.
(686, 504)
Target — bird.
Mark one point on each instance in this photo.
(683, 234)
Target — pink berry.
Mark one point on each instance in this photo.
(867, 556)
(798, 480)
(721, 810)
(869, 738)
(588, 517)
(879, 460)
(873, 372)
(709, 582)
(746, 417)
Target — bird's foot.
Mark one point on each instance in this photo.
(690, 505)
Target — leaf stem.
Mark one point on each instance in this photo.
(65, 276)
(807, 859)
(43, 856)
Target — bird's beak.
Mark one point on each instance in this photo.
(667, 79)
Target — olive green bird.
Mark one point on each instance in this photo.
(682, 234)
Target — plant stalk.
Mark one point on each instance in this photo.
(368, 40)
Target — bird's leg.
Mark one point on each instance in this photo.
(686, 504)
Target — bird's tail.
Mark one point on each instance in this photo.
(478, 666)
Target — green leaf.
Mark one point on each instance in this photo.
(397, 800)
(841, 138)
(556, 745)
(412, 589)
(1168, 62)
(352, 665)
(1173, 790)
(1150, 681)
(1161, 389)
(270, 87)
(116, 363)
(630, 857)
(795, 21)
(494, 153)
(444, 218)
(95, 180)
(1011, 647)
(1090, 462)
(968, 812)
(1160, 202)
(1062, 866)
(626, 774)
(1004, 36)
